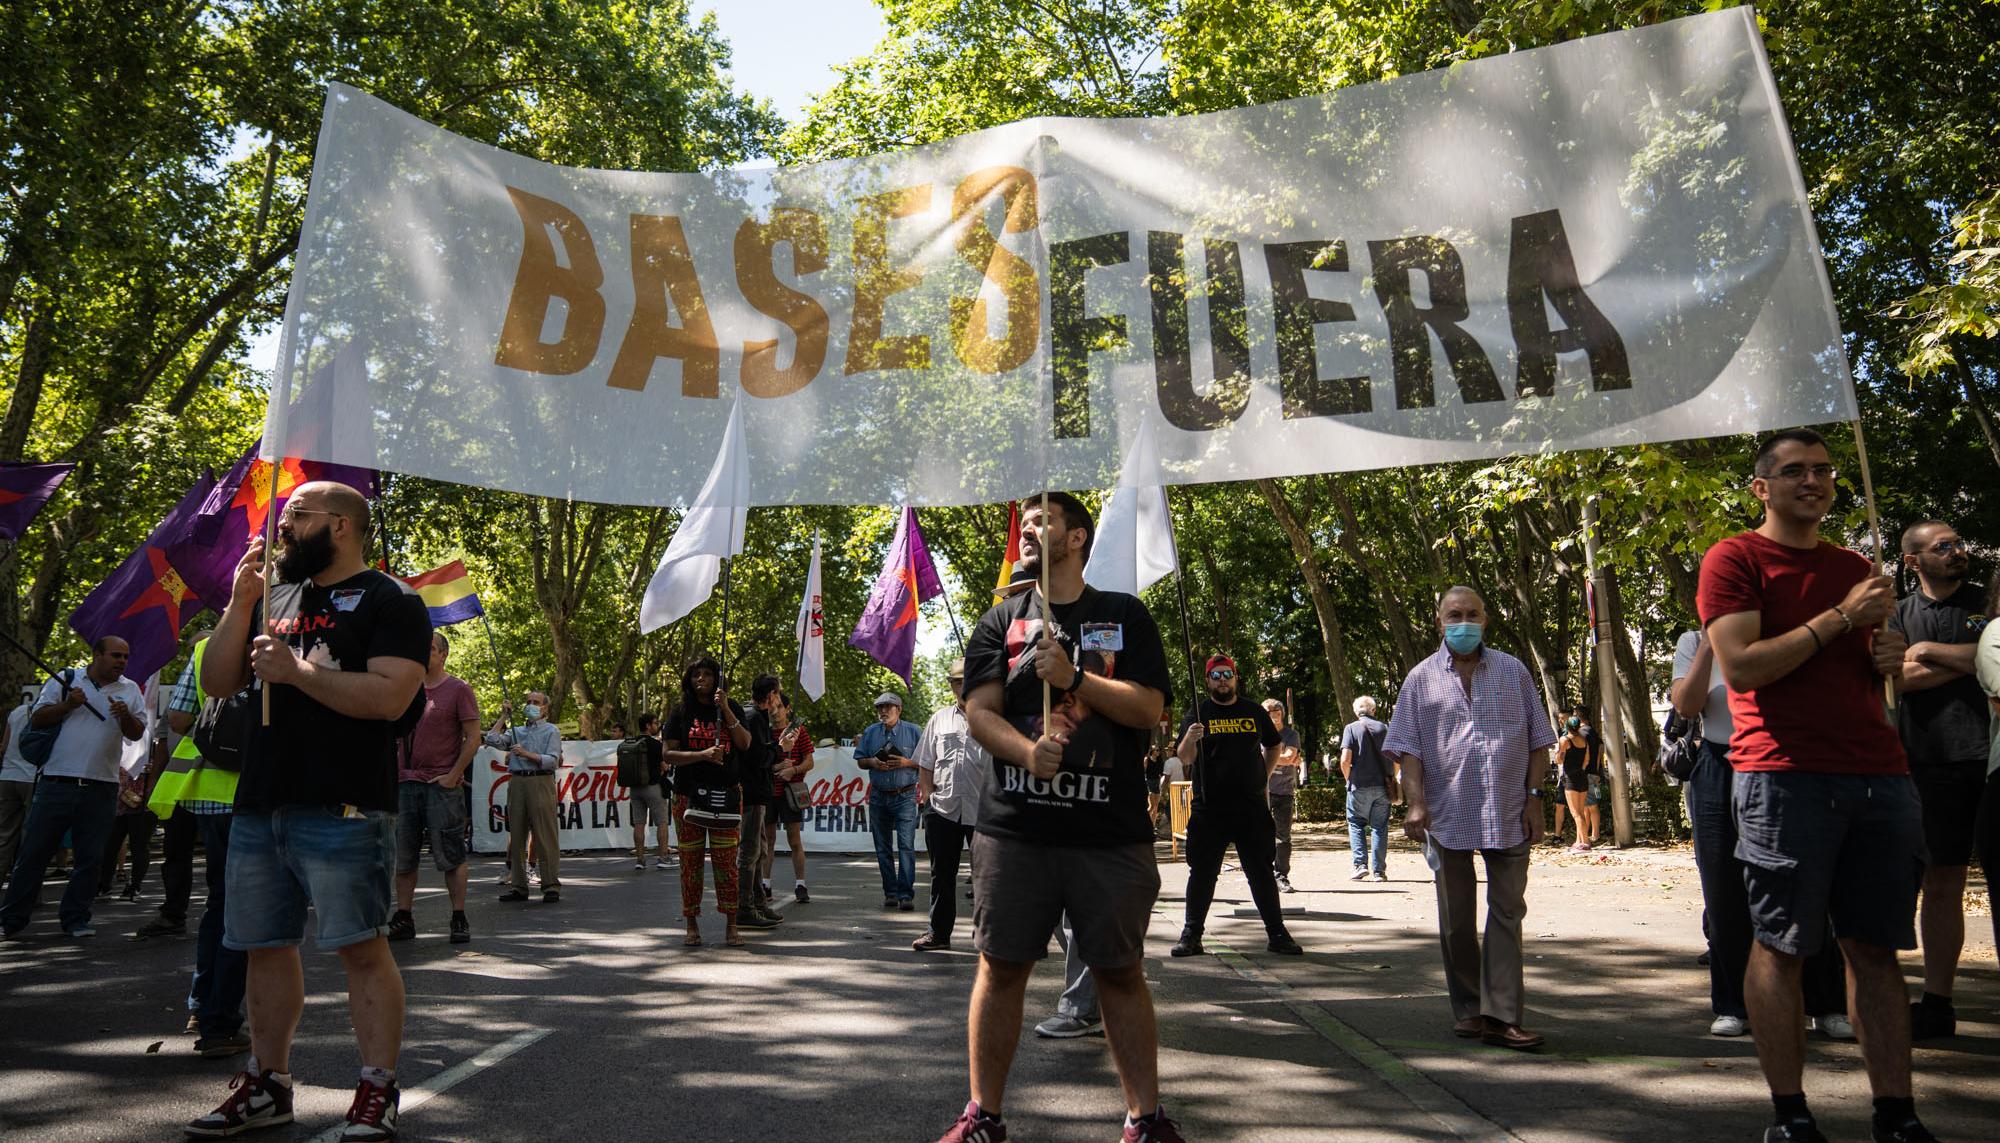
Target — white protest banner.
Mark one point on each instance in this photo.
(594, 812)
(1596, 243)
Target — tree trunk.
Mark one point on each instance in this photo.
(1394, 616)
(1980, 412)
(1639, 728)
(1316, 586)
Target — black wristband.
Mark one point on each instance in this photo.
(1819, 644)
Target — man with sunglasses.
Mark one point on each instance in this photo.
(1230, 746)
(1827, 819)
(1944, 727)
(341, 650)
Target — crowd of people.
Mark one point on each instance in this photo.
(1826, 834)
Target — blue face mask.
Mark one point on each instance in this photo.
(532, 711)
(1463, 638)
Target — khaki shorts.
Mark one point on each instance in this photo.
(1021, 889)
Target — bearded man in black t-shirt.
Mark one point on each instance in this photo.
(1230, 746)
(341, 650)
(1062, 824)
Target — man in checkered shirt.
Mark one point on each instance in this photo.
(1472, 736)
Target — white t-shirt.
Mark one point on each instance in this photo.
(89, 747)
(1715, 723)
(958, 766)
(15, 768)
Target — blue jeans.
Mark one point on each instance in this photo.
(216, 993)
(892, 817)
(60, 806)
(1368, 812)
(295, 856)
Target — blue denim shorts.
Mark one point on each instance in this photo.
(281, 862)
(1814, 846)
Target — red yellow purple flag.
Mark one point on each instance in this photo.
(1012, 557)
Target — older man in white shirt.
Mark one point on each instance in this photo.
(952, 769)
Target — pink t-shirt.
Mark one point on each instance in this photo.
(435, 744)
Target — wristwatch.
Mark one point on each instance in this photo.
(1534, 791)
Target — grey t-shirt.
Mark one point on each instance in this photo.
(1284, 781)
(1715, 723)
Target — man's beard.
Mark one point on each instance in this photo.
(1224, 695)
(306, 557)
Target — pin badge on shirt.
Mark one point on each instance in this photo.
(1103, 637)
(347, 599)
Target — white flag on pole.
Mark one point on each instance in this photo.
(710, 531)
(1133, 547)
(811, 631)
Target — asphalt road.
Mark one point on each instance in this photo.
(587, 1021)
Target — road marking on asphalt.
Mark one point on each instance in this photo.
(451, 1077)
(1423, 1092)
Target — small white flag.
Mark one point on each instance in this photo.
(710, 531)
(1134, 544)
(811, 631)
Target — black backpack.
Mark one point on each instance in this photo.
(38, 742)
(632, 762)
(222, 730)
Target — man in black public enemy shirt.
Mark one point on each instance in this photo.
(342, 655)
(1230, 746)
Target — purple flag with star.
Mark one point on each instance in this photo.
(146, 602)
(24, 488)
(888, 627)
(236, 511)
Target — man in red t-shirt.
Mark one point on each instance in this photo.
(431, 793)
(1827, 818)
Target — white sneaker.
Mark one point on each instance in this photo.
(82, 931)
(1378, 876)
(1360, 874)
(1728, 1026)
(639, 866)
(1833, 1026)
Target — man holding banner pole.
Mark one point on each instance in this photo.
(1063, 826)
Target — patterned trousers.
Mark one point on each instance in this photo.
(720, 844)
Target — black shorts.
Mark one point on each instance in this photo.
(1950, 792)
(1021, 889)
(1846, 845)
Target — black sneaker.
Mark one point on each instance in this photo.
(1933, 1022)
(888, 902)
(372, 1116)
(799, 894)
(1156, 1128)
(930, 941)
(1284, 945)
(216, 1047)
(906, 905)
(461, 929)
(402, 926)
(160, 927)
(751, 919)
(551, 896)
(1188, 945)
(255, 1102)
(1910, 1132)
(514, 895)
(1796, 1131)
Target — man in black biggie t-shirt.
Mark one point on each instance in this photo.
(1230, 746)
(1063, 825)
(342, 654)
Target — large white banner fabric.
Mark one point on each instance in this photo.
(1596, 243)
(594, 812)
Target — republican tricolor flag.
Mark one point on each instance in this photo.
(447, 591)
(1012, 558)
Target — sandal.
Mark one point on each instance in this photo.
(734, 939)
(692, 940)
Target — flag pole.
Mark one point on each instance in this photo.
(270, 539)
(493, 646)
(1048, 620)
(1187, 631)
(724, 674)
(1875, 528)
(51, 672)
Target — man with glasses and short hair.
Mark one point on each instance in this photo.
(1944, 725)
(534, 755)
(1230, 746)
(340, 649)
(884, 749)
(1827, 818)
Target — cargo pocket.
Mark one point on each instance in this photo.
(1759, 817)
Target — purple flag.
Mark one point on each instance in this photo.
(146, 602)
(24, 488)
(888, 627)
(236, 510)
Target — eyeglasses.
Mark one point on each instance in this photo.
(1221, 673)
(290, 513)
(1799, 472)
(1947, 547)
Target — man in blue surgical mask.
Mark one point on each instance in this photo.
(1472, 736)
(534, 754)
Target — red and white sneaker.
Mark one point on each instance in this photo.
(256, 1101)
(1155, 1129)
(373, 1114)
(975, 1126)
